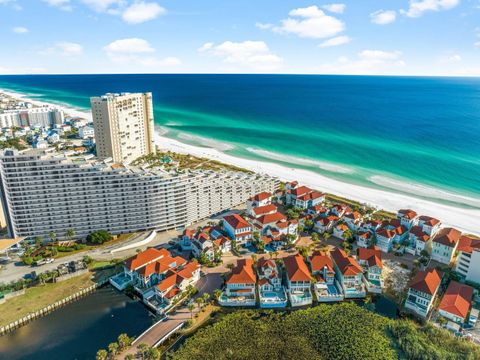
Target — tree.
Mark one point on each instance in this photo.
(254, 258)
(102, 354)
(142, 349)
(124, 341)
(260, 245)
(200, 301)
(216, 294)
(309, 224)
(153, 354)
(326, 235)
(315, 237)
(43, 277)
(38, 241)
(113, 349)
(52, 235)
(99, 237)
(191, 307)
(348, 235)
(303, 251)
(129, 357)
(206, 297)
(70, 234)
(256, 235)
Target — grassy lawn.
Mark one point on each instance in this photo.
(40, 296)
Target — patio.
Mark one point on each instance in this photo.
(273, 299)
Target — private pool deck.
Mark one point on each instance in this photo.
(300, 298)
(225, 300)
(374, 286)
(273, 299)
(328, 292)
(355, 292)
(120, 281)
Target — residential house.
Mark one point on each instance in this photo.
(407, 217)
(429, 224)
(353, 220)
(265, 222)
(419, 240)
(259, 200)
(257, 212)
(340, 210)
(468, 260)
(370, 259)
(456, 302)
(370, 225)
(237, 228)
(186, 239)
(303, 197)
(339, 230)
(385, 239)
(298, 280)
(349, 274)
(326, 224)
(271, 292)
(325, 286)
(240, 285)
(223, 243)
(444, 245)
(364, 239)
(422, 291)
(203, 245)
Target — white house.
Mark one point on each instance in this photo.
(353, 220)
(407, 217)
(298, 280)
(240, 285)
(202, 244)
(86, 132)
(237, 228)
(256, 212)
(272, 293)
(303, 197)
(419, 240)
(325, 285)
(429, 225)
(322, 224)
(339, 230)
(422, 291)
(261, 199)
(364, 239)
(456, 302)
(468, 260)
(370, 259)
(349, 274)
(444, 245)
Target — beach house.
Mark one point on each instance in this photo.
(406, 217)
(353, 220)
(259, 211)
(271, 291)
(468, 259)
(325, 285)
(261, 199)
(456, 302)
(339, 230)
(303, 197)
(419, 240)
(298, 279)
(429, 224)
(349, 274)
(202, 245)
(370, 259)
(237, 228)
(364, 238)
(240, 285)
(444, 245)
(186, 238)
(422, 290)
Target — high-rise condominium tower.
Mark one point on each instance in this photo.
(123, 126)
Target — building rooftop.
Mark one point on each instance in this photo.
(296, 268)
(457, 299)
(426, 281)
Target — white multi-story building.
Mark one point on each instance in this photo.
(44, 191)
(468, 260)
(422, 291)
(86, 132)
(35, 117)
(445, 244)
(123, 126)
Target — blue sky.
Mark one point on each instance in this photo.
(401, 37)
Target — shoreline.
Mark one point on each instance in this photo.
(463, 219)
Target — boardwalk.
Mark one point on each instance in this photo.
(161, 330)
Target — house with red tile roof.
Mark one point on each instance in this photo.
(256, 212)
(339, 230)
(202, 245)
(303, 197)
(325, 285)
(259, 200)
(428, 224)
(364, 238)
(271, 291)
(186, 239)
(298, 280)
(456, 302)
(422, 290)
(353, 220)
(349, 274)
(468, 260)
(370, 259)
(240, 285)
(407, 217)
(419, 240)
(322, 224)
(175, 282)
(444, 245)
(237, 228)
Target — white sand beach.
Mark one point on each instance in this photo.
(466, 220)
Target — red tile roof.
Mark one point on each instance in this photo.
(419, 234)
(261, 196)
(429, 220)
(448, 237)
(242, 273)
(301, 190)
(426, 281)
(319, 260)
(145, 257)
(236, 221)
(468, 244)
(296, 268)
(188, 233)
(310, 196)
(271, 218)
(372, 255)
(264, 209)
(346, 264)
(457, 299)
(407, 213)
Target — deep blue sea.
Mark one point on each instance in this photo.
(411, 135)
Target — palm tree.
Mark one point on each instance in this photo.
(206, 297)
(199, 301)
(70, 234)
(113, 349)
(254, 258)
(129, 357)
(191, 307)
(153, 354)
(102, 354)
(142, 349)
(124, 341)
(217, 293)
(326, 235)
(52, 236)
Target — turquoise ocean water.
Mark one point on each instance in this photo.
(411, 135)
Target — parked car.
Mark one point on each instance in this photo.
(49, 260)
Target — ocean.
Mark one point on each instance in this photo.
(417, 136)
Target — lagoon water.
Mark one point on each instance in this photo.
(411, 135)
(78, 330)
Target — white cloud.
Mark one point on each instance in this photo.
(254, 55)
(64, 48)
(140, 12)
(129, 46)
(264, 26)
(104, 5)
(335, 8)
(61, 4)
(309, 22)
(368, 62)
(336, 41)
(418, 7)
(383, 17)
(20, 30)
(450, 59)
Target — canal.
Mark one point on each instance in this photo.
(78, 330)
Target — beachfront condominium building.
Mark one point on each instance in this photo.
(123, 126)
(44, 191)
